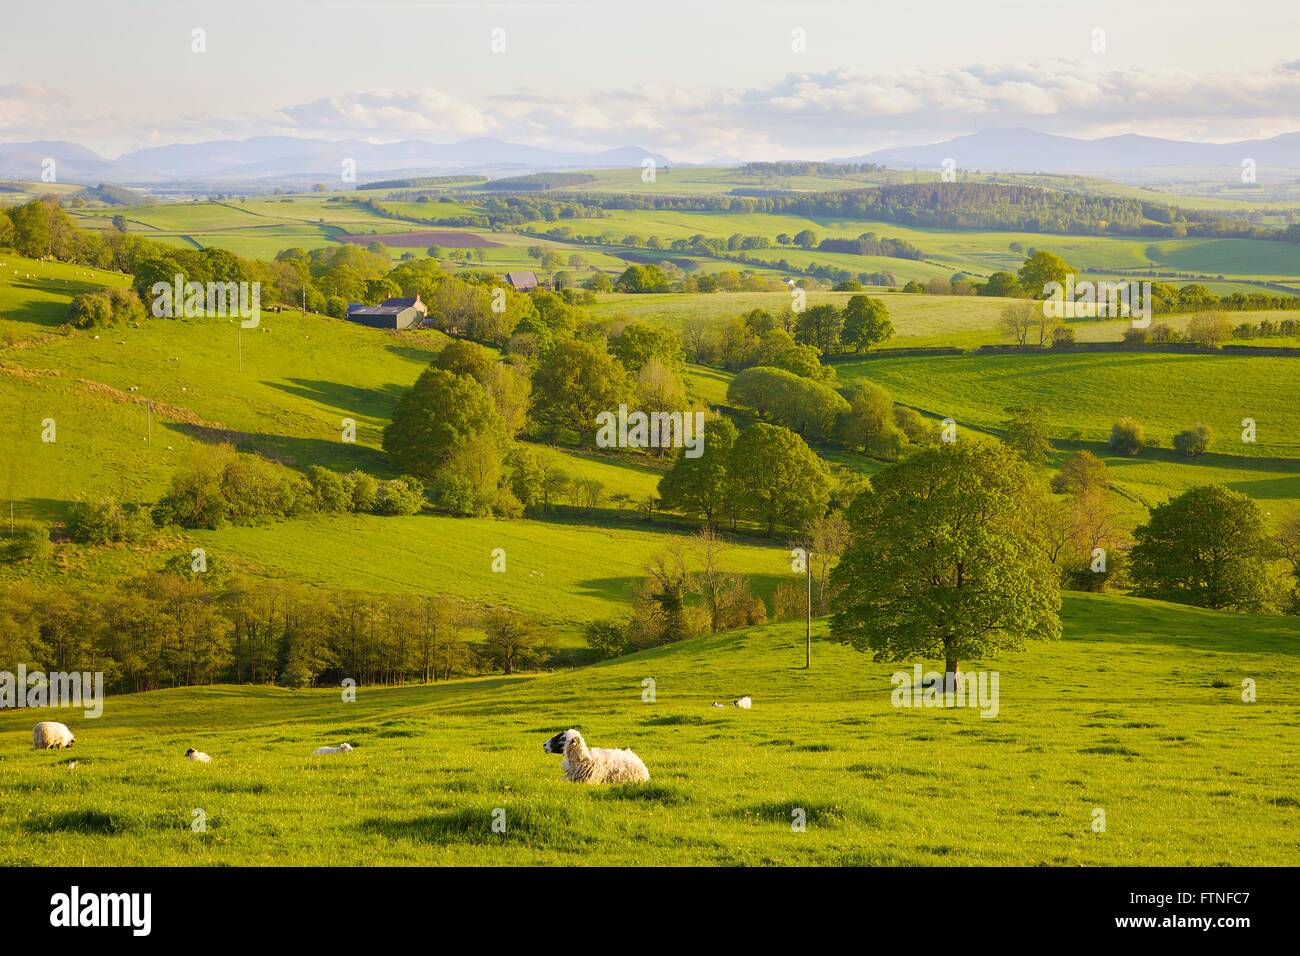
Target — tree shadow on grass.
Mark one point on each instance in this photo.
(46, 314)
(1178, 625)
(349, 400)
(35, 509)
(295, 452)
(423, 357)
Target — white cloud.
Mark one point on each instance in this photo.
(815, 114)
(393, 111)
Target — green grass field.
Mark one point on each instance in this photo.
(1088, 392)
(1121, 716)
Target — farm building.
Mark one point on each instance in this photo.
(390, 314)
(523, 281)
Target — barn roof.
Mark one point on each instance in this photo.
(403, 303)
(522, 280)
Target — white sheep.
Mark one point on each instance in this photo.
(744, 703)
(340, 749)
(949, 682)
(583, 764)
(51, 735)
(198, 756)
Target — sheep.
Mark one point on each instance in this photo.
(948, 682)
(595, 764)
(744, 703)
(716, 704)
(51, 735)
(198, 756)
(340, 749)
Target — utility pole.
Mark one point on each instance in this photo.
(304, 302)
(807, 650)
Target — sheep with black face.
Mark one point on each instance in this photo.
(583, 764)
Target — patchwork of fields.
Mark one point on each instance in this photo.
(1137, 712)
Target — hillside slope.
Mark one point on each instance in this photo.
(1120, 716)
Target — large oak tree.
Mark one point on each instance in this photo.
(942, 560)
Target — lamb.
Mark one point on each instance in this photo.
(51, 735)
(340, 749)
(583, 764)
(198, 756)
(744, 703)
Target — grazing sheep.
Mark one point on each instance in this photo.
(583, 764)
(744, 703)
(340, 749)
(945, 683)
(51, 735)
(198, 756)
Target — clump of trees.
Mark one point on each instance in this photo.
(27, 541)
(105, 308)
(800, 404)
(790, 340)
(861, 417)
(175, 628)
(1195, 441)
(216, 485)
(1127, 436)
(687, 590)
(766, 474)
(1209, 547)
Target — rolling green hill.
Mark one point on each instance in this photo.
(1136, 713)
(284, 390)
(1088, 392)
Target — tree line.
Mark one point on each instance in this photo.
(176, 627)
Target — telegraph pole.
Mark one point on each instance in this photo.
(807, 650)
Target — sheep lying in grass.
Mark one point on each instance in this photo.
(947, 682)
(340, 749)
(198, 756)
(51, 735)
(744, 703)
(583, 764)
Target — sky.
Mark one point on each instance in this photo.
(692, 79)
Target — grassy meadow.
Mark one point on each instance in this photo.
(1137, 712)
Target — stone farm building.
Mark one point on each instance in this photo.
(523, 281)
(390, 314)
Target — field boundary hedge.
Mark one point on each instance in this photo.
(1177, 348)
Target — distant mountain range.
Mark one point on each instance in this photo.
(1023, 150)
(273, 158)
